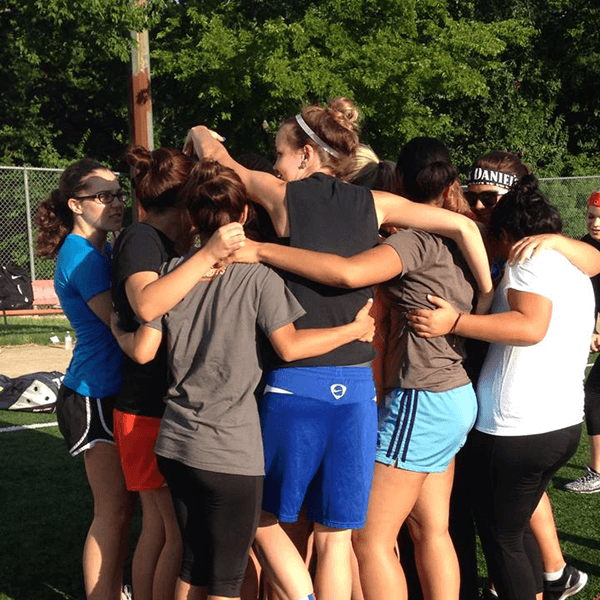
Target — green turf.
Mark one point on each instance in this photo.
(46, 508)
(33, 330)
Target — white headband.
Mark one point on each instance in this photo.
(314, 137)
(481, 176)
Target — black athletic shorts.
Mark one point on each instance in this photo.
(83, 420)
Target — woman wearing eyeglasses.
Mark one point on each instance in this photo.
(74, 222)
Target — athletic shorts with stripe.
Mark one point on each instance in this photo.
(83, 421)
(422, 431)
(319, 427)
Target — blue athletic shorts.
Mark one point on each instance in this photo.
(319, 427)
(422, 431)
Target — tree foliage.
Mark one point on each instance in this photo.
(521, 75)
(64, 72)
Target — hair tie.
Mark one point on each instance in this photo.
(314, 137)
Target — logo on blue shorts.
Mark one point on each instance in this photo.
(338, 390)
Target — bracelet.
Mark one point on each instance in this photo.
(456, 323)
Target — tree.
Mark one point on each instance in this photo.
(64, 66)
(521, 75)
(415, 68)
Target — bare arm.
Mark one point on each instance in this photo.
(152, 296)
(367, 268)
(264, 188)
(581, 254)
(395, 210)
(101, 306)
(294, 344)
(140, 345)
(525, 324)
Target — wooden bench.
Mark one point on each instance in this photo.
(45, 301)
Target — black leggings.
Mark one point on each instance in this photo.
(592, 400)
(512, 473)
(217, 515)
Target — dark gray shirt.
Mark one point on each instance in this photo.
(214, 336)
(431, 265)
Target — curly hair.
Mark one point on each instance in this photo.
(54, 218)
(524, 211)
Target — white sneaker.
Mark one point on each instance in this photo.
(586, 484)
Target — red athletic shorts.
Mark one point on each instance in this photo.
(135, 436)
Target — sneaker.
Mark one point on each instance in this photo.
(126, 592)
(586, 484)
(571, 582)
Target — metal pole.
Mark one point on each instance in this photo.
(28, 216)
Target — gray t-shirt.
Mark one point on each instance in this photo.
(214, 335)
(431, 265)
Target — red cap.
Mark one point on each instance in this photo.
(594, 199)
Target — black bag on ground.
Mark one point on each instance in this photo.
(16, 290)
(34, 392)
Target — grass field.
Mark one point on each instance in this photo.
(33, 330)
(45, 511)
(46, 508)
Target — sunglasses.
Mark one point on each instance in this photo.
(488, 199)
(105, 197)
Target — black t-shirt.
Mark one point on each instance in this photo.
(328, 215)
(138, 249)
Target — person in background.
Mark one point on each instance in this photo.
(589, 483)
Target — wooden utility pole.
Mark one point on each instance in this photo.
(141, 132)
(141, 99)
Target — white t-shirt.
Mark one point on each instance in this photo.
(526, 390)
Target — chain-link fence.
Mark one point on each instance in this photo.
(21, 191)
(23, 188)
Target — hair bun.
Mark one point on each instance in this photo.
(139, 159)
(345, 112)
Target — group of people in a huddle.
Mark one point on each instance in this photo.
(235, 399)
